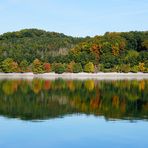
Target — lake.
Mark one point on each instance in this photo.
(73, 113)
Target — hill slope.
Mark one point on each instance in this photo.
(33, 43)
(37, 49)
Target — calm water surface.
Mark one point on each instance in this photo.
(73, 113)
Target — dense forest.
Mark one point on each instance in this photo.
(38, 51)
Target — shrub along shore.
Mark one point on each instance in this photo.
(38, 67)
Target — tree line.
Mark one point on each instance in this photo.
(38, 51)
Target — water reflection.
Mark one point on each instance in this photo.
(43, 99)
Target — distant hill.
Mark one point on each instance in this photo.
(33, 43)
(32, 49)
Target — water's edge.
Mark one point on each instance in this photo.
(52, 75)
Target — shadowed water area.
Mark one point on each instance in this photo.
(74, 113)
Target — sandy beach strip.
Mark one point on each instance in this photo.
(99, 76)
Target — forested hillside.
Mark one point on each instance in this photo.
(29, 44)
(40, 51)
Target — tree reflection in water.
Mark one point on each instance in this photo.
(44, 99)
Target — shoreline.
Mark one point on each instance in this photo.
(98, 76)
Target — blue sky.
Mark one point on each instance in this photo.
(74, 17)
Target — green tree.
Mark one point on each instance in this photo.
(132, 57)
(145, 44)
(59, 68)
(125, 68)
(24, 66)
(109, 61)
(77, 68)
(8, 65)
(89, 67)
(141, 67)
(37, 66)
(135, 69)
